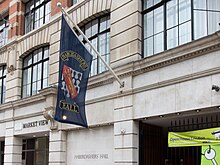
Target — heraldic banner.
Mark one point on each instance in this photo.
(74, 67)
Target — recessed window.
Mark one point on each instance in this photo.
(75, 1)
(35, 71)
(169, 23)
(3, 31)
(35, 151)
(37, 12)
(2, 83)
(2, 147)
(98, 32)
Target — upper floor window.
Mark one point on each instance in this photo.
(37, 12)
(98, 32)
(35, 71)
(2, 83)
(75, 1)
(169, 23)
(3, 31)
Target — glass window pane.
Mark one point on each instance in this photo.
(75, 1)
(213, 22)
(103, 24)
(108, 43)
(39, 71)
(102, 44)
(185, 33)
(172, 38)
(213, 5)
(156, 1)
(184, 10)
(26, 90)
(34, 73)
(200, 24)
(46, 68)
(45, 82)
(3, 97)
(38, 86)
(158, 20)
(39, 56)
(108, 22)
(148, 47)
(1, 86)
(94, 27)
(88, 30)
(148, 24)
(46, 52)
(172, 14)
(94, 67)
(158, 43)
(34, 88)
(148, 3)
(95, 44)
(27, 76)
(28, 61)
(1, 71)
(199, 4)
(35, 56)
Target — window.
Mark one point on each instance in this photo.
(206, 15)
(98, 32)
(37, 12)
(35, 71)
(3, 31)
(2, 146)
(75, 1)
(2, 83)
(35, 151)
(169, 23)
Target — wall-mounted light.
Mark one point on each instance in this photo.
(178, 113)
(215, 88)
(198, 110)
(123, 131)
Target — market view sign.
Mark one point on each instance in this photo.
(35, 124)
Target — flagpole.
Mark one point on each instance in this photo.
(87, 40)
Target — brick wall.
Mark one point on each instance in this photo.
(16, 9)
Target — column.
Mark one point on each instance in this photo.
(126, 143)
(13, 146)
(57, 148)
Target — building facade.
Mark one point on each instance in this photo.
(165, 51)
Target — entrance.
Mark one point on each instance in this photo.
(154, 148)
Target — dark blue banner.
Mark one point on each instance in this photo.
(74, 67)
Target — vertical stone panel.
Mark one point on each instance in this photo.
(57, 155)
(95, 6)
(100, 5)
(90, 8)
(82, 17)
(87, 10)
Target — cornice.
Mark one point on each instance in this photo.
(41, 96)
(181, 53)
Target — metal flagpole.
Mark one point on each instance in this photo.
(87, 40)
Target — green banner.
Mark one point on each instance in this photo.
(194, 138)
(210, 155)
